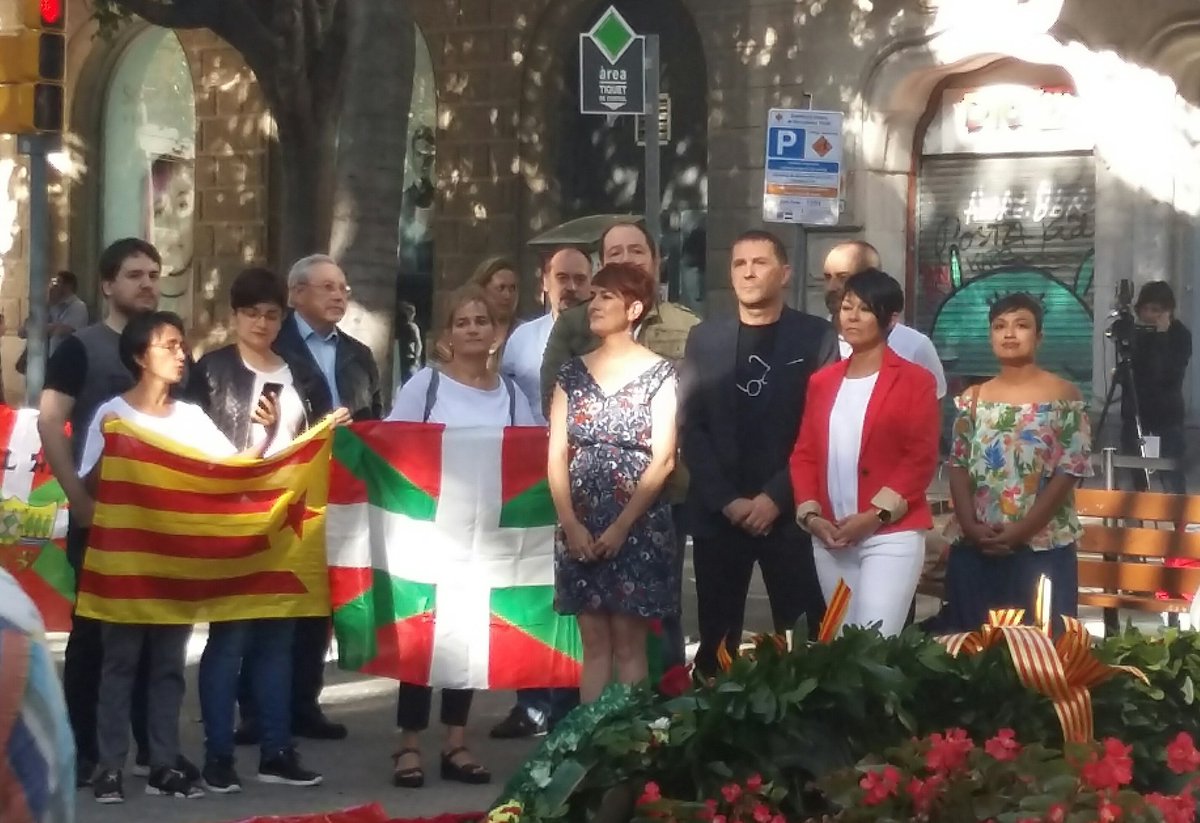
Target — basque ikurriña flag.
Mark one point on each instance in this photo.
(180, 538)
(441, 547)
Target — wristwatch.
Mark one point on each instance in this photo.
(883, 515)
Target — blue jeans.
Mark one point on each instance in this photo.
(551, 705)
(976, 582)
(264, 647)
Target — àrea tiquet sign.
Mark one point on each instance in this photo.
(612, 67)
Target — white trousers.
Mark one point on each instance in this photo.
(882, 573)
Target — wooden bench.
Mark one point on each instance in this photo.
(1120, 567)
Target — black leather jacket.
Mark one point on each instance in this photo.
(221, 384)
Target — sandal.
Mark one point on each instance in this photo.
(468, 772)
(410, 778)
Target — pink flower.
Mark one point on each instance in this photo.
(949, 753)
(1056, 813)
(880, 784)
(731, 792)
(1173, 809)
(778, 819)
(1182, 756)
(1113, 770)
(925, 792)
(650, 793)
(720, 818)
(1003, 746)
(754, 782)
(762, 814)
(1108, 812)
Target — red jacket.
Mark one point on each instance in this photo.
(899, 452)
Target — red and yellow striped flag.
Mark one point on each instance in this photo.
(178, 538)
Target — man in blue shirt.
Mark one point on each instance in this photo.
(319, 296)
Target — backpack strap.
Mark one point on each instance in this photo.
(431, 393)
(512, 398)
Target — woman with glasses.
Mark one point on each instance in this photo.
(867, 452)
(228, 383)
(152, 348)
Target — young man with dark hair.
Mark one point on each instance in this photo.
(1162, 350)
(84, 372)
(742, 392)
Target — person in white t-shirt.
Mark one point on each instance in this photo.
(464, 392)
(566, 282)
(847, 259)
(152, 348)
(227, 384)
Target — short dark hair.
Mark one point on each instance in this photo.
(121, 250)
(139, 333)
(1157, 292)
(257, 285)
(630, 281)
(67, 278)
(1017, 301)
(879, 292)
(764, 236)
(637, 224)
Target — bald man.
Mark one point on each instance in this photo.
(847, 259)
(566, 282)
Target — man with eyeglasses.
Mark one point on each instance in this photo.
(84, 372)
(742, 389)
(319, 296)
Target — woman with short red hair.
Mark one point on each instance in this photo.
(612, 446)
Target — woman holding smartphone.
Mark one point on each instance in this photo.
(227, 383)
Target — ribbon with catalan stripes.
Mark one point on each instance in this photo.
(1065, 671)
(835, 613)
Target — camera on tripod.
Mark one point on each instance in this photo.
(1124, 327)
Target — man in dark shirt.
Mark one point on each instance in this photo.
(1161, 352)
(743, 385)
(85, 371)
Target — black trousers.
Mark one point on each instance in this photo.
(309, 644)
(82, 664)
(724, 563)
(415, 703)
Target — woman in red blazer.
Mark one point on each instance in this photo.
(867, 452)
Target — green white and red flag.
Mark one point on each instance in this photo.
(441, 557)
(33, 520)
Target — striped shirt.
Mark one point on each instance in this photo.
(37, 751)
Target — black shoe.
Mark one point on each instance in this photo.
(108, 787)
(518, 724)
(247, 734)
(466, 771)
(182, 764)
(85, 770)
(219, 776)
(412, 777)
(285, 770)
(141, 765)
(319, 728)
(172, 783)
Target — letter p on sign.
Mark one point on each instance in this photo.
(787, 143)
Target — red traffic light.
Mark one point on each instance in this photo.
(51, 13)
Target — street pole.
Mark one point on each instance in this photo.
(653, 158)
(800, 249)
(36, 147)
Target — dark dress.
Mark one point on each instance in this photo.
(609, 439)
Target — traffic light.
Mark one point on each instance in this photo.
(32, 65)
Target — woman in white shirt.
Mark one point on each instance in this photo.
(465, 392)
(153, 349)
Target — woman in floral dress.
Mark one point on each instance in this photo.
(612, 446)
(1022, 440)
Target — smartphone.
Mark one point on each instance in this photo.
(272, 389)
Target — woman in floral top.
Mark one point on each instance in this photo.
(1021, 442)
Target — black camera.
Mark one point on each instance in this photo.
(1124, 327)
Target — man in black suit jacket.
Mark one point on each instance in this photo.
(743, 383)
(319, 295)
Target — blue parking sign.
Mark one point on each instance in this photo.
(784, 143)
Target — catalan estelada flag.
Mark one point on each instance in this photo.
(441, 557)
(179, 538)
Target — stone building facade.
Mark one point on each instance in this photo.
(1040, 144)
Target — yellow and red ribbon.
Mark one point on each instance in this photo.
(835, 613)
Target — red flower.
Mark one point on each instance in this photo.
(1182, 756)
(731, 792)
(949, 753)
(675, 681)
(754, 782)
(762, 814)
(1113, 770)
(650, 793)
(1003, 746)
(1109, 812)
(720, 818)
(879, 785)
(1173, 809)
(1056, 813)
(925, 792)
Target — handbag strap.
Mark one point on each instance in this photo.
(975, 392)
